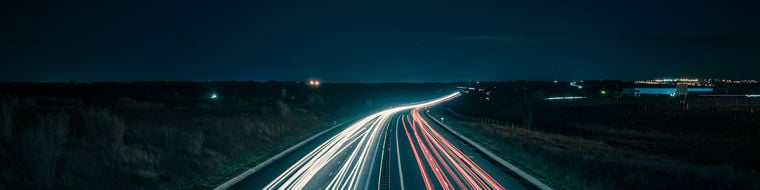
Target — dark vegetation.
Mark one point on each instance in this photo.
(610, 142)
(150, 135)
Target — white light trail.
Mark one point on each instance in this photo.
(358, 142)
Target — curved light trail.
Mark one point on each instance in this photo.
(353, 158)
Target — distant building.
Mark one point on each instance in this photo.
(670, 81)
(663, 91)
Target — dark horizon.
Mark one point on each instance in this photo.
(339, 82)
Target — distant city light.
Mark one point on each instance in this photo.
(694, 81)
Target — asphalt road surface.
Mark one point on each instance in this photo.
(398, 148)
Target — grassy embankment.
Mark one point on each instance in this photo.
(629, 144)
(68, 143)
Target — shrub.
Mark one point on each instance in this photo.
(28, 102)
(72, 102)
(10, 100)
(103, 127)
(6, 117)
(316, 99)
(40, 147)
(284, 108)
(125, 102)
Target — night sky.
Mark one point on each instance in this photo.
(377, 41)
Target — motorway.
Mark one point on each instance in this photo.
(396, 148)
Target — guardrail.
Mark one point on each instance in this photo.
(236, 179)
(513, 168)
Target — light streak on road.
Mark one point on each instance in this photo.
(352, 150)
(446, 161)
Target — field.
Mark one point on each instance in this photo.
(622, 143)
(140, 144)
